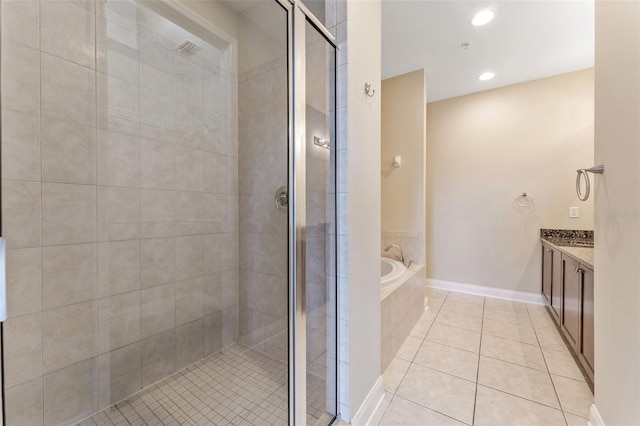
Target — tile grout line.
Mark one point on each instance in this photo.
(475, 397)
(564, 415)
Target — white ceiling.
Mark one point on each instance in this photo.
(526, 40)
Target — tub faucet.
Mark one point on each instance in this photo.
(389, 247)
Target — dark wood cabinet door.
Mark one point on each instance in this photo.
(586, 348)
(547, 271)
(556, 285)
(571, 301)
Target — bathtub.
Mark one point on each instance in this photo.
(391, 271)
(402, 302)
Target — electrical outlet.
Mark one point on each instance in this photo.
(574, 212)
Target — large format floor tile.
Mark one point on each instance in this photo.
(448, 359)
(456, 337)
(405, 412)
(484, 361)
(439, 391)
(495, 408)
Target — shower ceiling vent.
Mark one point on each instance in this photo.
(187, 48)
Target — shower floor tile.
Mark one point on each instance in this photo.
(236, 386)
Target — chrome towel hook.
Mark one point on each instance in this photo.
(368, 91)
(587, 188)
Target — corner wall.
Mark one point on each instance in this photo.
(617, 242)
(483, 151)
(403, 188)
(358, 185)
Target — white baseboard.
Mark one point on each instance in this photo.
(594, 417)
(370, 404)
(500, 293)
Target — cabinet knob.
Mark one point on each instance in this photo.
(580, 270)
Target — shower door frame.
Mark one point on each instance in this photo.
(299, 15)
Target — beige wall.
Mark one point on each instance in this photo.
(483, 151)
(617, 246)
(403, 188)
(359, 185)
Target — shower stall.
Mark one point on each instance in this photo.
(168, 206)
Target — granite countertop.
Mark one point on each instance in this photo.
(577, 244)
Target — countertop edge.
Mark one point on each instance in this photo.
(566, 250)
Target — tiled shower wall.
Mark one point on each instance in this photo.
(119, 193)
(262, 163)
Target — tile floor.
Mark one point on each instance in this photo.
(236, 386)
(483, 361)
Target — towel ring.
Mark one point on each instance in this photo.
(587, 187)
(525, 200)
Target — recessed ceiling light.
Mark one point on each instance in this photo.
(486, 76)
(483, 17)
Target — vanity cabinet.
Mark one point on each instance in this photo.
(568, 287)
(547, 272)
(571, 301)
(552, 279)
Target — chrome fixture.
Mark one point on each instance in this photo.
(323, 143)
(389, 247)
(584, 172)
(525, 200)
(282, 197)
(368, 91)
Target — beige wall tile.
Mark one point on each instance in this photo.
(158, 309)
(24, 281)
(190, 209)
(20, 144)
(68, 214)
(118, 213)
(21, 211)
(157, 207)
(189, 301)
(69, 274)
(118, 321)
(68, 152)
(20, 77)
(118, 267)
(118, 159)
(156, 109)
(157, 164)
(188, 169)
(117, 99)
(189, 343)
(69, 335)
(189, 257)
(266, 253)
(212, 333)
(68, 91)
(68, 31)
(158, 357)
(119, 374)
(22, 349)
(117, 55)
(71, 394)
(21, 22)
(158, 261)
(24, 404)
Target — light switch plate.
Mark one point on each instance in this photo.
(574, 212)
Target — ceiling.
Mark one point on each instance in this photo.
(526, 40)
